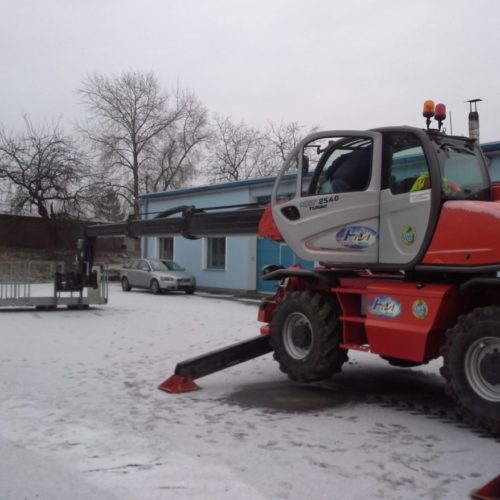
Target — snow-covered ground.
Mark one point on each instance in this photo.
(81, 416)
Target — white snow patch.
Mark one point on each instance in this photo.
(81, 416)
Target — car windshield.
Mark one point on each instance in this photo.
(157, 265)
(172, 266)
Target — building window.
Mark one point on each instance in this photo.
(216, 253)
(166, 248)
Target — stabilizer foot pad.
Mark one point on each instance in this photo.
(178, 384)
(490, 491)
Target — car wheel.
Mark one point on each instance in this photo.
(190, 291)
(155, 287)
(126, 285)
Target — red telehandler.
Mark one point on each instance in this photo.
(403, 225)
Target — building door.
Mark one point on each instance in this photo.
(271, 252)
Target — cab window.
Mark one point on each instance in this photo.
(287, 183)
(405, 163)
(343, 165)
(463, 172)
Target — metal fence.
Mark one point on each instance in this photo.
(32, 283)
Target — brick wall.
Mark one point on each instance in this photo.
(38, 234)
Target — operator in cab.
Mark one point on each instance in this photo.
(351, 171)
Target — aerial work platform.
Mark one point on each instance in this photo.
(33, 284)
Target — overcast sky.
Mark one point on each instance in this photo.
(335, 64)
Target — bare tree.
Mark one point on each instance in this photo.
(282, 138)
(45, 168)
(242, 152)
(104, 203)
(177, 149)
(5, 195)
(237, 151)
(144, 135)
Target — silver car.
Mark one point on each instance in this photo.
(157, 275)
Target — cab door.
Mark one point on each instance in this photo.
(406, 199)
(331, 213)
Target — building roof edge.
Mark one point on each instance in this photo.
(210, 188)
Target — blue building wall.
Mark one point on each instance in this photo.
(241, 271)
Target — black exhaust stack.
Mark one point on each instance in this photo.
(474, 119)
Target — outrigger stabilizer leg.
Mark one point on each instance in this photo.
(489, 491)
(186, 372)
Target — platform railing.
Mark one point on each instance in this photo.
(32, 283)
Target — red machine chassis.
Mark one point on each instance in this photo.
(389, 317)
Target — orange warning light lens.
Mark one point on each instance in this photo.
(428, 109)
(440, 113)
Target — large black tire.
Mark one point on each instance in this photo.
(305, 334)
(154, 286)
(126, 285)
(471, 366)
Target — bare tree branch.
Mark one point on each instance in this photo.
(236, 151)
(137, 129)
(46, 169)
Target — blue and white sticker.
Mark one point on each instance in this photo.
(357, 237)
(384, 306)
